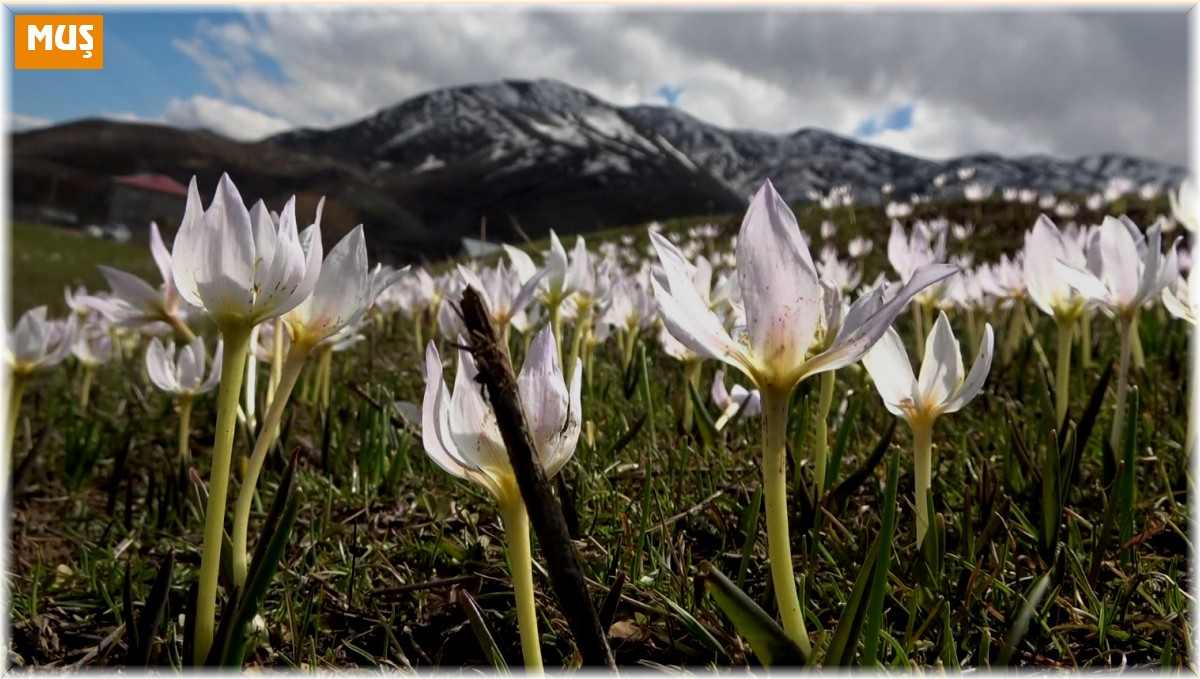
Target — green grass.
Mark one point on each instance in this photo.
(385, 537)
(45, 259)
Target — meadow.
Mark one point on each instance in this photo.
(1047, 538)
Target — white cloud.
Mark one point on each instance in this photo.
(1048, 82)
(229, 119)
(19, 122)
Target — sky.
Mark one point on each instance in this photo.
(934, 84)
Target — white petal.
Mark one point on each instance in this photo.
(979, 371)
(779, 285)
(160, 365)
(133, 290)
(543, 391)
(435, 417)
(888, 365)
(942, 368)
(867, 320)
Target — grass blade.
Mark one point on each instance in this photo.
(1021, 622)
(770, 643)
(482, 634)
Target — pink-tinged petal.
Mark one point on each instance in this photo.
(28, 340)
(225, 274)
(214, 374)
(160, 366)
(685, 313)
(779, 284)
(435, 418)
(278, 279)
(557, 265)
(522, 263)
(868, 319)
(342, 292)
(897, 250)
(526, 294)
(972, 385)
(133, 290)
(1177, 308)
(473, 429)
(162, 258)
(887, 363)
(187, 251)
(942, 368)
(190, 365)
(700, 331)
(1088, 285)
(562, 447)
(718, 393)
(264, 228)
(543, 391)
(1119, 252)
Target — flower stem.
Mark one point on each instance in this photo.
(919, 329)
(1139, 358)
(16, 393)
(324, 370)
(237, 345)
(691, 376)
(85, 385)
(1085, 339)
(821, 452)
(266, 438)
(520, 564)
(276, 359)
(251, 383)
(1062, 376)
(1118, 425)
(581, 327)
(185, 429)
(418, 319)
(923, 471)
(182, 331)
(775, 403)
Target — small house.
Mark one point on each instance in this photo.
(139, 199)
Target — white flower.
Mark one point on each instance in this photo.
(782, 300)
(342, 295)
(1126, 270)
(237, 264)
(1185, 205)
(183, 376)
(943, 386)
(38, 343)
(459, 428)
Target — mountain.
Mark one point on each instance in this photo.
(522, 157)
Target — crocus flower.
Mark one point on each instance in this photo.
(136, 303)
(241, 268)
(556, 285)
(783, 310)
(1185, 205)
(182, 374)
(340, 299)
(236, 264)
(1179, 301)
(504, 295)
(37, 343)
(942, 387)
(93, 346)
(1127, 271)
(461, 435)
(739, 400)
(1050, 291)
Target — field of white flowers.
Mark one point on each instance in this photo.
(957, 436)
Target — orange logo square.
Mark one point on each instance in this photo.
(59, 41)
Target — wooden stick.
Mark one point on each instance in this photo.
(545, 512)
